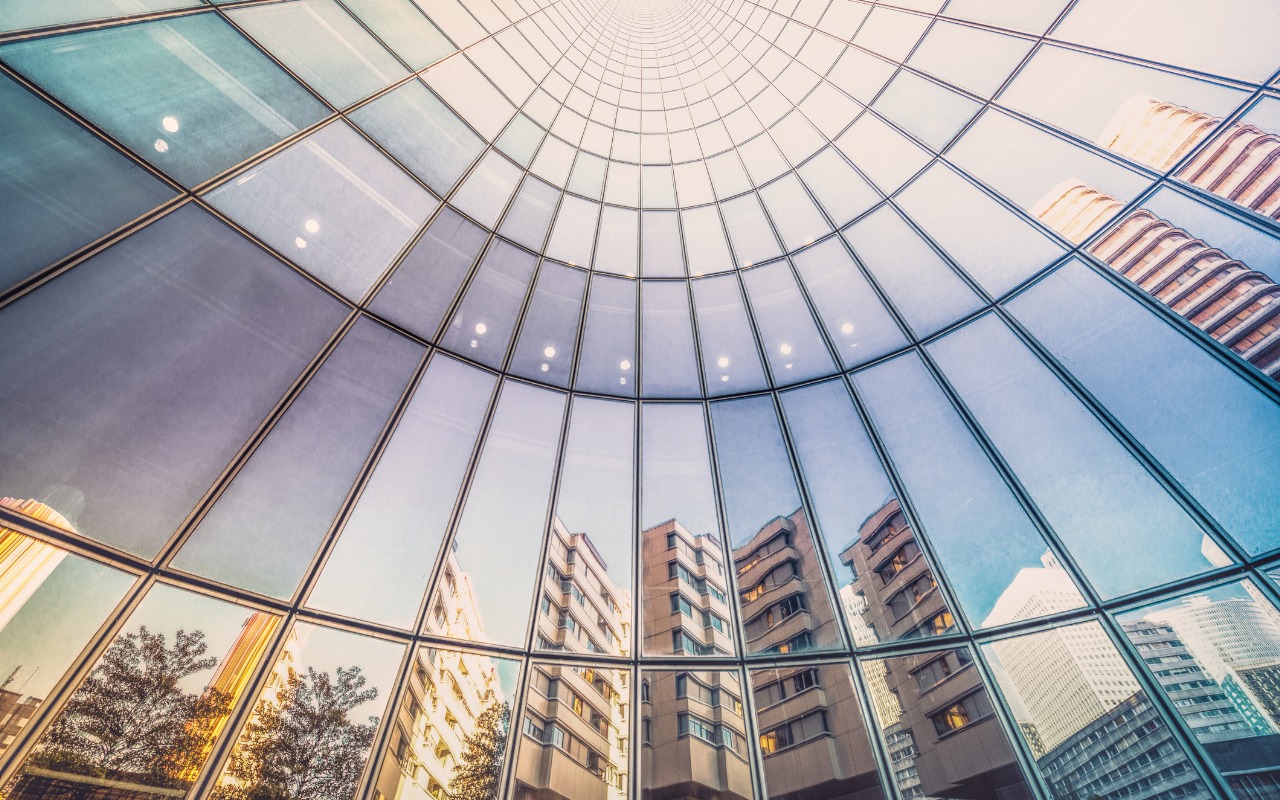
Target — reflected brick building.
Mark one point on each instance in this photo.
(686, 596)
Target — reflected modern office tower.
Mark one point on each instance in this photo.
(649, 399)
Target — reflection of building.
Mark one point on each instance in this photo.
(575, 729)
(812, 737)
(694, 735)
(446, 692)
(686, 606)
(1066, 677)
(1220, 295)
(784, 606)
(1242, 164)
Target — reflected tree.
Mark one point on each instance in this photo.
(131, 719)
(303, 746)
(478, 773)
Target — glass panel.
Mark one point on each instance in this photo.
(323, 46)
(705, 241)
(1076, 702)
(487, 189)
(451, 696)
(842, 192)
(730, 359)
(51, 603)
(693, 728)
(606, 362)
(885, 156)
(61, 187)
(530, 213)
(326, 694)
(670, 366)
(575, 732)
(853, 315)
(923, 286)
(1218, 442)
(404, 29)
(1216, 656)
(333, 204)
(971, 58)
(1109, 512)
(787, 331)
(550, 330)
(575, 231)
(421, 290)
(619, 241)
(422, 133)
(488, 573)
(681, 552)
(482, 326)
(812, 735)
(661, 256)
(931, 113)
(392, 536)
(939, 727)
(17, 16)
(782, 593)
(188, 94)
(990, 242)
(135, 393)
(959, 497)
(586, 580)
(798, 220)
(749, 230)
(886, 587)
(148, 714)
(295, 481)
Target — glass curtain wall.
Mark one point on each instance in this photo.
(591, 399)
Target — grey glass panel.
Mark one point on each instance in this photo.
(405, 30)
(521, 139)
(670, 366)
(787, 330)
(482, 326)
(680, 546)
(495, 552)
(619, 246)
(730, 359)
(971, 58)
(1075, 699)
(1216, 655)
(323, 46)
(295, 481)
(352, 677)
(170, 676)
(136, 393)
(853, 315)
(591, 541)
(983, 539)
(990, 242)
(753, 239)
(660, 253)
(549, 334)
(1217, 436)
(394, 532)
(333, 204)
(693, 725)
(1109, 511)
(530, 213)
(812, 733)
(704, 241)
(938, 721)
(420, 291)
(422, 133)
(782, 591)
(486, 690)
(53, 603)
(607, 360)
(842, 192)
(798, 219)
(574, 234)
(188, 94)
(487, 189)
(923, 286)
(61, 187)
(931, 113)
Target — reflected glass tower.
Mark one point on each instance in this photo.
(651, 399)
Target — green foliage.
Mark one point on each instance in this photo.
(303, 746)
(131, 719)
(478, 773)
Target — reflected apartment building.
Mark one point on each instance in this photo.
(576, 726)
(1222, 296)
(446, 692)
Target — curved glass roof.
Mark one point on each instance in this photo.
(693, 398)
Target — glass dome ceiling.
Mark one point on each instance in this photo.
(576, 400)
